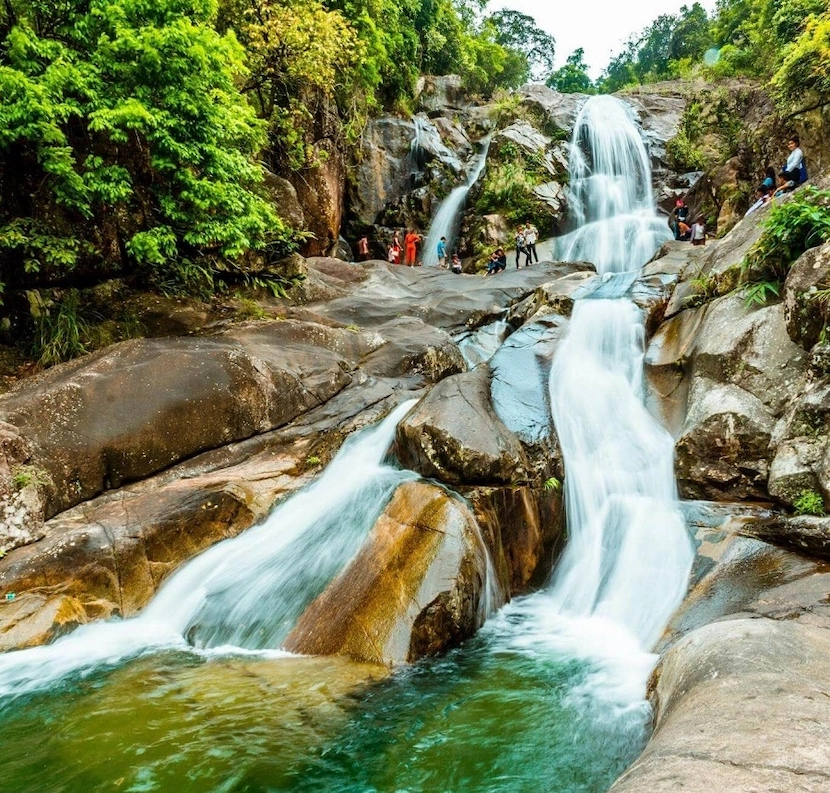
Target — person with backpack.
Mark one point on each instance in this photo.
(521, 246)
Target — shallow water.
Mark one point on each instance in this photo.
(501, 714)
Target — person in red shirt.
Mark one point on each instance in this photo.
(411, 241)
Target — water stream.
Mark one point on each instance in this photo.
(194, 695)
(445, 221)
(241, 594)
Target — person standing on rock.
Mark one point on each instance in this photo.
(441, 250)
(394, 252)
(531, 235)
(411, 241)
(521, 246)
(363, 249)
(699, 231)
(680, 214)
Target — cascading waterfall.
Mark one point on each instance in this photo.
(628, 556)
(242, 594)
(609, 193)
(446, 218)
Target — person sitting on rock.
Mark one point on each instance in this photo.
(793, 168)
(764, 196)
(455, 264)
(498, 262)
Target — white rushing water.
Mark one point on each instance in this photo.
(609, 194)
(444, 224)
(243, 594)
(626, 564)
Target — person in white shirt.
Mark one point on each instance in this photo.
(531, 235)
(792, 169)
(699, 231)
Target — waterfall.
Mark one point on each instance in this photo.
(610, 192)
(444, 224)
(625, 568)
(243, 594)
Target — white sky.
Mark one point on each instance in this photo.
(600, 27)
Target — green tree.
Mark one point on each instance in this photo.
(126, 144)
(572, 78)
(520, 34)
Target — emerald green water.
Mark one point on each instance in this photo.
(495, 715)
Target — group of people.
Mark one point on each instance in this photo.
(792, 174)
(395, 252)
(683, 229)
(526, 237)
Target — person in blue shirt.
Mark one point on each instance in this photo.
(442, 252)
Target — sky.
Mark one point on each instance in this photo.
(600, 27)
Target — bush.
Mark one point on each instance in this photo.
(809, 502)
(791, 228)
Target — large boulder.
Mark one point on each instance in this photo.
(715, 687)
(722, 451)
(141, 406)
(453, 434)
(417, 587)
(808, 534)
(805, 315)
(109, 557)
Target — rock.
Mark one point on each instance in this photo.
(805, 316)
(285, 201)
(520, 385)
(524, 529)
(414, 589)
(805, 533)
(413, 348)
(454, 435)
(552, 194)
(751, 349)
(109, 557)
(36, 619)
(667, 364)
(793, 469)
(722, 450)
(555, 297)
(436, 93)
(560, 109)
(141, 406)
(168, 316)
(715, 687)
(533, 143)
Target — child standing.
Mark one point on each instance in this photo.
(699, 231)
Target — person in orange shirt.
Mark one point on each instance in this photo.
(411, 241)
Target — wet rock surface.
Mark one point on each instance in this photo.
(415, 588)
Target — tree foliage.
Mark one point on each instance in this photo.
(572, 78)
(125, 142)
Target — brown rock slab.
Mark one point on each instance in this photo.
(414, 589)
